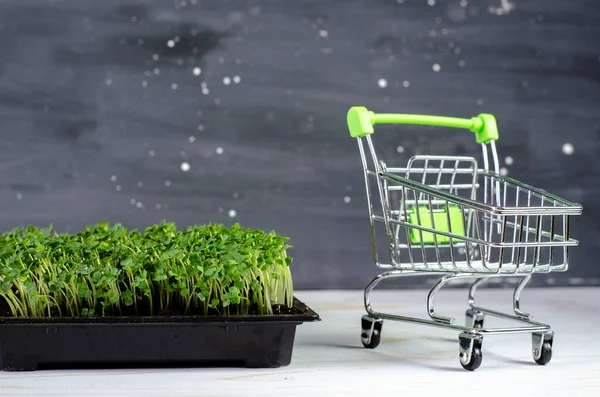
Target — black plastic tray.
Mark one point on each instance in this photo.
(248, 341)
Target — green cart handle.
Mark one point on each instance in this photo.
(361, 121)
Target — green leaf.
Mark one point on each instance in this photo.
(127, 298)
(256, 286)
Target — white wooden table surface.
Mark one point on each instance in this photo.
(329, 358)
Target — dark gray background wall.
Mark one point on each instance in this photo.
(100, 108)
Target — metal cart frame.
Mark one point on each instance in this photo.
(443, 215)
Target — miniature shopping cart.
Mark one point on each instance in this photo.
(445, 215)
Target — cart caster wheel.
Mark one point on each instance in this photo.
(542, 348)
(545, 354)
(371, 331)
(474, 362)
(474, 319)
(470, 351)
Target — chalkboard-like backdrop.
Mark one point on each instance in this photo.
(192, 111)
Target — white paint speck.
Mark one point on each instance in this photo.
(138, 204)
(400, 149)
(445, 32)
(140, 184)
(205, 91)
(118, 187)
(19, 196)
(508, 160)
(461, 63)
(464, 3)
(236, 195)
(406, 84)
(568, 148)
(219, 150)
(200, 127)
(192, 139)
(197, 71)
(144, 83)
(436, 67)
(226, 80)
(232, 213)
(132, 201)
(151, 153)
(323, 33)
(113, 178)
(174, 86)
(347, 199)
(431, 2)
(171, 43)
(237, 79)
(156, 71)
(382, 83)
(576, 281)
(503, 171)
(167, 183)
(155, 57)
(185, 167)
(108, 81)
(480, 102)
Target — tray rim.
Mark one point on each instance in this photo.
(308, 315)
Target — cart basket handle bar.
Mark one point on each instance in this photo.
(361, 121)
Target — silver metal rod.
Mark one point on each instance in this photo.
(463, 186)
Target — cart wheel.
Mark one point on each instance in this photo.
(542, 347)
(545, 354)
(371, 331)
(474, 319)
(475, 362)
(470, 351)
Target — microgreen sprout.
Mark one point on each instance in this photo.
(109, 270)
